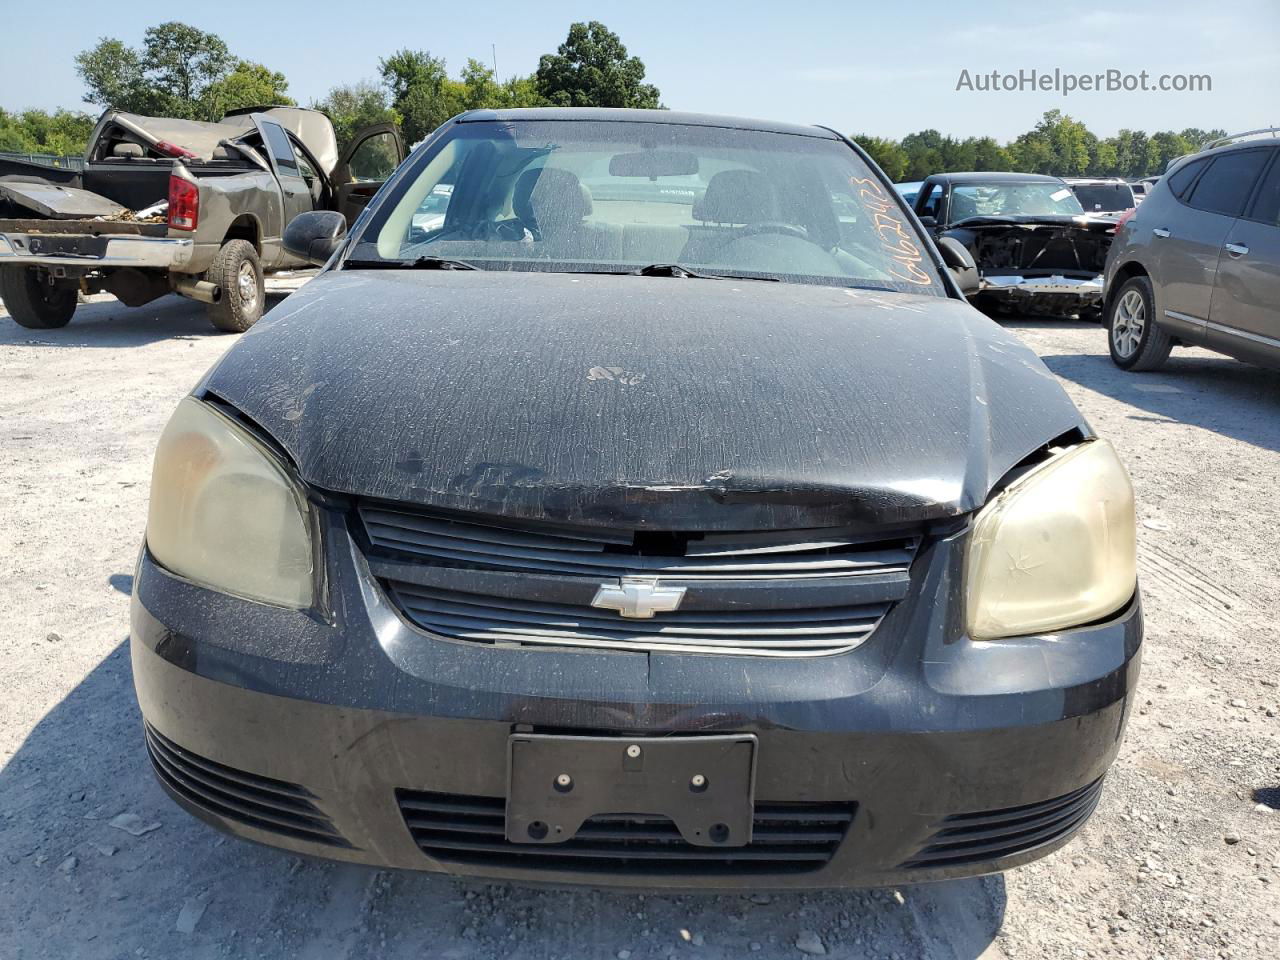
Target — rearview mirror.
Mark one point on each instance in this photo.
(961, 264)
(314, 236)
(653, 163)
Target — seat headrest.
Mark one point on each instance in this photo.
(737, 196)
(546, 199)
(125, 149)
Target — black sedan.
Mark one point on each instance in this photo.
(655, 513)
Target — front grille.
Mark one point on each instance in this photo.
(786, 838)
(584, 551)
(774, 593)
(466, 616)
(969, 838)
(256, 801)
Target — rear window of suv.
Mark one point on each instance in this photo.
(1180, 180)
(1226, 185)
(1103, 197)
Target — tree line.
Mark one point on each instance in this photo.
(181, 71)
(1058, 145)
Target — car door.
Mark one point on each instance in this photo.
(1186, 242)
(295, 193)
(1244, 315)
(372, 156)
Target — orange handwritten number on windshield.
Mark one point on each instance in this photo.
(903, 252)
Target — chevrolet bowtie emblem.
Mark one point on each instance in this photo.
(638, 597)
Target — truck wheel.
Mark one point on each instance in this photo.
(33, 302)
(1137, 342)
(238, 272)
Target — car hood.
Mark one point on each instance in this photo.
(663, 403)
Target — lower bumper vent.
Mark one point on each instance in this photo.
(969, 838)
(260, 802)
(786, 838)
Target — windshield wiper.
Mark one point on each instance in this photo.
(421, 263)
(683, 272)
(671, 270)
(440, 263)
(870, 286)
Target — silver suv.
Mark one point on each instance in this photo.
(1198, 263)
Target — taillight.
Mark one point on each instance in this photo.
(173, 150)
(184, 203)
(1125, 218)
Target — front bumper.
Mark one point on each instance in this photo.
(95, 251)
(1016, 290)
(328, 734)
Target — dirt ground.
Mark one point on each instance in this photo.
(1182, 859)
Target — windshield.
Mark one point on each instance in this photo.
(1012, 200)
(618, 196)
(1104, 197)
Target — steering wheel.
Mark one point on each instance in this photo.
(773, 226)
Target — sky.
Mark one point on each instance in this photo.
(879, 68)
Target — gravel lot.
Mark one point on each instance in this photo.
(1181, 860)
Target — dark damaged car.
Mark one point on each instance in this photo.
(634, 500)
(1036, 249)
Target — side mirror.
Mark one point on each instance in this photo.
(314, 236)
(961, 264)
(929, 220)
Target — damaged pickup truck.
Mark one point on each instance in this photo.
(181, 206)
(1036, 249)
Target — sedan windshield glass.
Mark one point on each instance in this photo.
(617, 197)
(1012, 200)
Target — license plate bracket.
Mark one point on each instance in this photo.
(704, 785)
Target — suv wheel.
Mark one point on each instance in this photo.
(1137, 342)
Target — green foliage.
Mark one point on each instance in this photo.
(423, 95)
(180, 71)
(1058, 145)
(114, 75)
(354, 106)
(247, 85)
(184, 62)
(888, 154)
(522, 92)
(1103, 157)
(592, 69)
(989, 155)
(63, 132)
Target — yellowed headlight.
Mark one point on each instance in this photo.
(1055, 549)
(225, 514)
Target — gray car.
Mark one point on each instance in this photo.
(1198, 264)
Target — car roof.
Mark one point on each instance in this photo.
(995, 177)
(644, 116)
